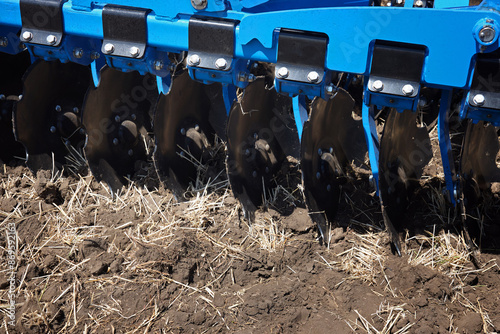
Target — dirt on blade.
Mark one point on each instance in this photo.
(143, 262)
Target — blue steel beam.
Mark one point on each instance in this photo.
(450, 46)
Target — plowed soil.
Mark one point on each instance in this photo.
(144, 262)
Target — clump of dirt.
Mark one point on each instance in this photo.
(90, 262)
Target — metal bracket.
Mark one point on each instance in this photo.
(485, 88)
(211, 43)
(301, 56)
(42, 21)
(396, 70)
(125, 31)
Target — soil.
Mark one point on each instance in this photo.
(144, 262)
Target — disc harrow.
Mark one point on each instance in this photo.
(333, 84)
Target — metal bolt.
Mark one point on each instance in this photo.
(221, 64)
(51, 39)
(267, 170)
(53, 129)
(330, 89)
(268, 148)
(199, 4)
(478, 100)
(313, 77)
(4, 41)
(331, 150)
(320, 152)
(27, 36)
(109, 48)
(183, 131)
(377, 85)
(76, 110)
(197, 127)
(182, 154)
(130, 152)
(116, 141)
(117, 119)
(283, 72)
(318, 175)
(135, 51)
(82, 131)
(408, 90)
(133, 117)
(487, 34)
(58, 108)
(78, 53)
(254, 173)
(2, 97)
(247, 152)
(328, 187)
(158, 64)
(95, 55)
(194, 60)
(419, 3)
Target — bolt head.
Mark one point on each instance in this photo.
(130, 152)
(58, 108)
(135, 51)
(377, 85)
(27, 36)
(117, 119)
(109, 48)
(133, 117)
(183, 131)
(95, 55)
(197, 127)
(283, 72)
(194, 60)
(4, 41)
(158, 65)
(2, 97)
(318, 175)
(328, 188)
(487, 34)
(419, 3)
(199, 4)
(254, 173)
(76, 110)
(221, 64)
(313, 77)
(53, 129)
(478, 100)
(51, 39)
(408, 89)
(78, 53)
(116, 141)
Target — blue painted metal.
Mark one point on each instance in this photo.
(371, 135)
(351, 27)
(350, 41)
(300, 113)
(445, 145)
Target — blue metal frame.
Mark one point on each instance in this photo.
(351, 27)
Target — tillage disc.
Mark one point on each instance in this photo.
(47, 118)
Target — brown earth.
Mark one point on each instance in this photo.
(143, 262)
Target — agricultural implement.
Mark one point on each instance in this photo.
(272, 78)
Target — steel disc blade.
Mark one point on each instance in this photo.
(331, 140)
(405, 150)
(116, 116)
(183, 128)
(12, 69)
(47, 117)
(260, 132)
(479, 161)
